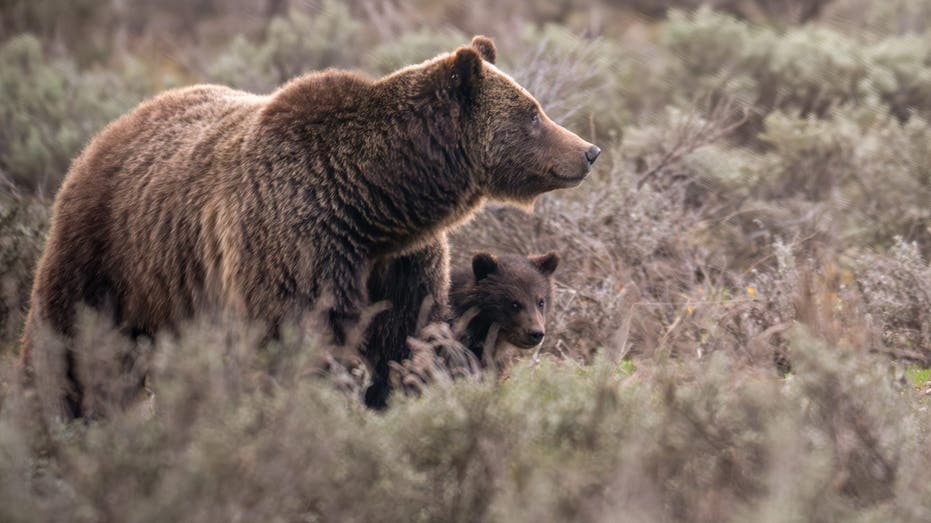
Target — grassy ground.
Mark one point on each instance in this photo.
(741, 329)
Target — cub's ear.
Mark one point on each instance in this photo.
(483, 264)
(546, 263)
(465, 71)
(485, 47)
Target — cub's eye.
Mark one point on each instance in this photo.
(541, 303)
(535, 119)
(515, 305)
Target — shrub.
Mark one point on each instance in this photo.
(809, 69)
(869, 170)
(903, 71)
(897, 297)
(23, 227)
(878, 19)
(577, 80)
(223, 437)
(293, 44)
(772, 11)
(413, 47)
(77, 25)
(50, 109)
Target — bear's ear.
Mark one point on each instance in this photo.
(485, 47)
(465, 71)
(483, 264)
(546, 263)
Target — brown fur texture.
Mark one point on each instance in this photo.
(207, 198)
(506, 296)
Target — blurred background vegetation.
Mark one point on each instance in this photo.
(743, 311)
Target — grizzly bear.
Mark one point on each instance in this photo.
(510, 291)
(332, 192)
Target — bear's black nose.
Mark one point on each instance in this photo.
(592, 154)
(535, 336)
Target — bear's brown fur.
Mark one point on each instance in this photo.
(207, 198)
(513, 293)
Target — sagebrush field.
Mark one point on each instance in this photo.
(742, 326)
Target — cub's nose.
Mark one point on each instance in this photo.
(535, 336)
(592, 154)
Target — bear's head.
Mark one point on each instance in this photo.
(514, 292)
(514, 150)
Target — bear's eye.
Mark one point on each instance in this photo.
(515, 305)
(535, 118)
(541, 303)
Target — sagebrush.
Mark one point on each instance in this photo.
(741, 325)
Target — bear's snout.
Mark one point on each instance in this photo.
(577, 159)
(535, 337)
(592, 154)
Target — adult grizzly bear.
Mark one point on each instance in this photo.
(270, 206)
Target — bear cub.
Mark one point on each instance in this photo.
(511, 291)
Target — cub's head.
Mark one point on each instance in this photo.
(515, 150)
(514, 292)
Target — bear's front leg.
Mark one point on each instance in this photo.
(346, 279)
(346, 297)
(405, 281)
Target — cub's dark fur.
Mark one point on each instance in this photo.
(510, 291)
